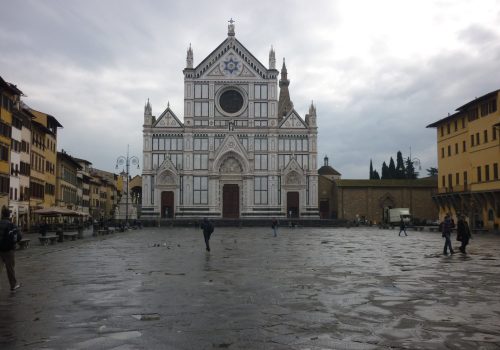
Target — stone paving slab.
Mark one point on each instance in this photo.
(308, 288)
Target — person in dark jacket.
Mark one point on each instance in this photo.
(9, 236)
(274, 226)
(402, 228)
(43, 228)
(463, 233)
(447, 227)
(208, 229)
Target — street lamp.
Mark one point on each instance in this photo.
(415, 161)
(127, 161)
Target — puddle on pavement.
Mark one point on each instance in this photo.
(146, 317)
(124, 335)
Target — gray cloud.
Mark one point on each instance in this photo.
(93, 64)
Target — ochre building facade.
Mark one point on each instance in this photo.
(468, 146)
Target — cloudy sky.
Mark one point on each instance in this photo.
(378, 71)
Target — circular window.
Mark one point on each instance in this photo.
(231, 101)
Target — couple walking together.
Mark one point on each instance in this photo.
(463, 233)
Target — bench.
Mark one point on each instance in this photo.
(45, 240)
(24, 243)
(72, 235)
(433, 228)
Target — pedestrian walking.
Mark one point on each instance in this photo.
(274, 226)
(9, 236)
(208, 229)
(447, 227)
(463, 233)
(402, 228)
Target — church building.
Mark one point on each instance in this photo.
(241, 149)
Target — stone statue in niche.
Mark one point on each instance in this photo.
(231, 166)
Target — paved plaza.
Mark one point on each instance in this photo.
(308, 288)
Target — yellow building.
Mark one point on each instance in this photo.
(103, 194)
(67, 181)
(9, 97)
(46, 150)
(468, 144)
(96, 207)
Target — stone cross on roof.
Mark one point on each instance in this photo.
(230, 28)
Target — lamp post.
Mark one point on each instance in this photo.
(416, 162)
(127, 161)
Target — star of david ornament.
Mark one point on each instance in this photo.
(231, 66)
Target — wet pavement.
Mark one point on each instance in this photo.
(308, 288)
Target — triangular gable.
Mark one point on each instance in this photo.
(166, 173)
(221, 71)
(221, 58)
(293, 121)
(167, 165)
(293, 165)
(231, 65)
(293, 174)
(168, 120)
(231, 144)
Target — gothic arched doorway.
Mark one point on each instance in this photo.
(231, 201)
(292, 204)
(167, 204)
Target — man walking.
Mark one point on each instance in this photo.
(208, 229)
(9, 236)
(463, 233)
(402, 227)
(274, 226)
(447, 227)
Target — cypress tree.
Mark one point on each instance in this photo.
(371, 170)
(376, 176)
(385, 171)
(400, 166)
(392, 169)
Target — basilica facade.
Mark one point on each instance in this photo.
(241, 149)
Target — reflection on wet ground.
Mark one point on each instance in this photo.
(308, 288)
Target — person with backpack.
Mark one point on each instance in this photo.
(208, 229)
(9, 236)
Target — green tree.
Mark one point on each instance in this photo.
(410, 170)
(392, 169)
(376, 176)
(385, 171)
(432, 171)
(371, 170)
(400, 166)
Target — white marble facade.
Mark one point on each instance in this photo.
(233, 156)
